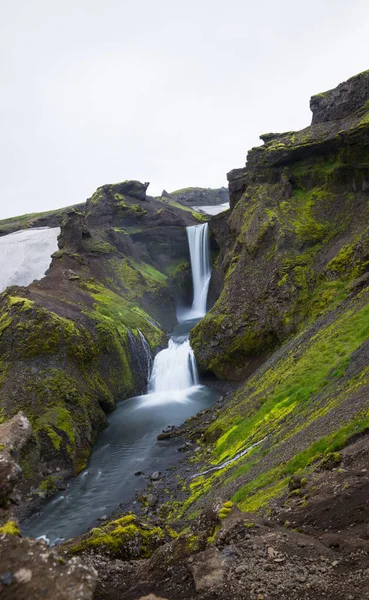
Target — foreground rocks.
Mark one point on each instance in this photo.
(248, 560)
(29, 570)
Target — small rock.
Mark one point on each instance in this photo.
(240, 569)
(138, 473)
(152, 500)
(155, 476)
(6, 578)
(23, 575)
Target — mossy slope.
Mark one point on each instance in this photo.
(71, 345)
(293, 244)
(294, 251)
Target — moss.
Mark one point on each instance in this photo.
(10, 528)
(292, 388)
(116, 314)
(211, 539)
(48, 486)
(123, 538)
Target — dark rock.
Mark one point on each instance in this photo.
(6, 578)
(342, 101)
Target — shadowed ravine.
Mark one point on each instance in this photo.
(129, 443)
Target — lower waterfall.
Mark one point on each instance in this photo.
(129, 445)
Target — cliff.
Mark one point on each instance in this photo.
(71, 344)
(295, 240)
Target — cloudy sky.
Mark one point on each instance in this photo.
(168, 91)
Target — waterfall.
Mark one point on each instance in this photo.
(175, 369)
(147, 351)
(198, 241)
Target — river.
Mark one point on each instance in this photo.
(129, 444)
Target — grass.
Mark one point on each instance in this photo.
(293, 382)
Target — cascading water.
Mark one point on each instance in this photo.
(174, 368)
(198, 241)
(129, 444)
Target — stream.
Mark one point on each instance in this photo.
(129, 443)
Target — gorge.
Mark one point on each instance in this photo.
(259, 366)
(129, 445)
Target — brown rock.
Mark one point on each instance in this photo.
(207, 570)
(29, 569)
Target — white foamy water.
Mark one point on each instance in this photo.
(198, 241)
(174, 368)
(25, 255)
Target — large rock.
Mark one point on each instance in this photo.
(29, 570)
(342, 101)
(14, 434)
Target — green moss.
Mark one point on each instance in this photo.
(224, 512)
(116, 314)
(48, 486)
(258, 493)
(296, 381)
(10, 528)
(124, 538)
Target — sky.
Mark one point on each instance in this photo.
(173, 92)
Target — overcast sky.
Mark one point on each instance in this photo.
(168, 91)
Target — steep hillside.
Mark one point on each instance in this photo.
(296, 238)
(74, 343)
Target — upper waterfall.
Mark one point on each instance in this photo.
(198, 241)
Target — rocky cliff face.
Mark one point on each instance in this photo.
(295, 241)
(71, 344)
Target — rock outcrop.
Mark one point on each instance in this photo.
(28, 568)
(71, 344)
(295, 238)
